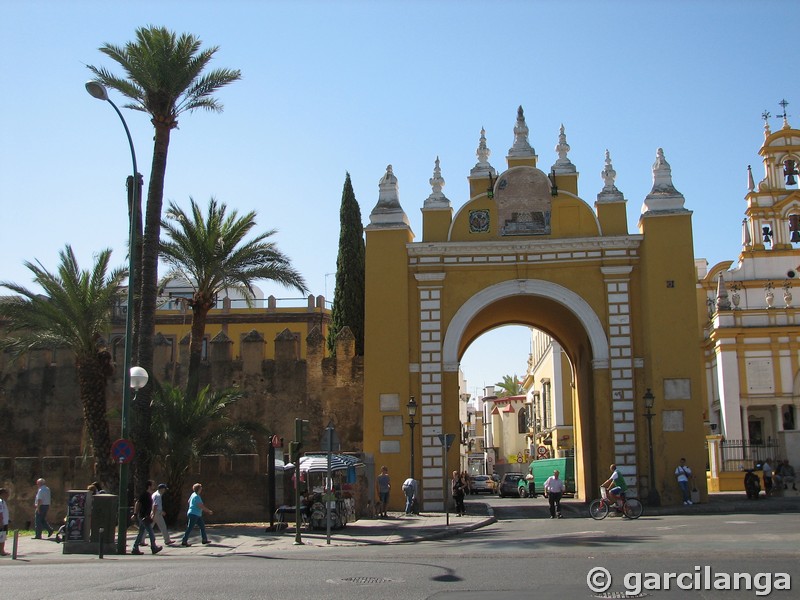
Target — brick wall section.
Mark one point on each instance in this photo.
(40, 405)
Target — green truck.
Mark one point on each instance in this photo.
(541, 469)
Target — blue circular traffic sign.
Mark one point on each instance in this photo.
(123, 451)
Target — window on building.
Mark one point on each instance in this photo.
(547, 405)
(522, 420)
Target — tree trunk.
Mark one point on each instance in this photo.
(93, 374)
(200, 308)
(148, 298)
(135, 278)
(174, 500)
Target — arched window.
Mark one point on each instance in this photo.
(522, 420)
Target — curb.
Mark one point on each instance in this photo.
(448, 532)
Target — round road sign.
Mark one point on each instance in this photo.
(123, 451)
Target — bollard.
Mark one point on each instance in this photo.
(14, 546)
(101, 543)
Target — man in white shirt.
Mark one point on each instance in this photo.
(554, 489)
(410, 490)
(41, 505)
(766, 469)
(684, 474)
(158, 512)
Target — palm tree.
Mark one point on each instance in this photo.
(210, 253)
(510, 386)
(163, 78)
(73, 312)
(185, 429)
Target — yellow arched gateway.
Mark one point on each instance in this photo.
(526, 249)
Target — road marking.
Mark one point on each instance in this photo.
(583, 532)
(740, 522)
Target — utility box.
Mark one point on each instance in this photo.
(87, 513)
(104, 515)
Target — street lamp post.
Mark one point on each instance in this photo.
(97, 90)
(653, 498)
(412, 412)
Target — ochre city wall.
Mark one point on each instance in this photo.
(41, 409)
(234, 487)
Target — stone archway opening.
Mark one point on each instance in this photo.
(564, 318)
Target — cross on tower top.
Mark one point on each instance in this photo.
(783, 104)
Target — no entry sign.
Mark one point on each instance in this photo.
(123, 451)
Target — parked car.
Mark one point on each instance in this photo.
(508, 484)
(482, 484)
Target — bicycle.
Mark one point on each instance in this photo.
(631, 507)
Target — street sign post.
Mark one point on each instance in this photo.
(446, 439)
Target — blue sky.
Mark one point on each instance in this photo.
(331, 87)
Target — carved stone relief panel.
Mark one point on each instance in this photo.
(523, 202)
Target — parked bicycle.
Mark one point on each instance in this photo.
(599, 509)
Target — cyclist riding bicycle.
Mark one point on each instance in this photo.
(616, 486)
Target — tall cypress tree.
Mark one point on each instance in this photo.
(348, 298)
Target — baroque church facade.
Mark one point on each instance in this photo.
(751, 323)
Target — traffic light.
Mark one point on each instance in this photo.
(294, 452)
(301, 431)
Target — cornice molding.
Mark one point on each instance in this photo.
(543, 246)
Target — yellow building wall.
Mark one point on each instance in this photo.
(571, 217)
(671, 354)
(436, 224)
(387, 354)
(613, 217)
(237, 323)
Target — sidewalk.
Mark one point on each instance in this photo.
(242, 539)
(248, 538)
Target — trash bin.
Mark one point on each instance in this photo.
(104, 515)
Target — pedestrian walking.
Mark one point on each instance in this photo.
(467, 481)
(554, 489)
(684, 474)
(5, 519)
(158, 512)
(41, 505)
(458, 493)
(384, 486)
(143, 509)
(195, 514)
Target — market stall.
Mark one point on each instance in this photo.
(328, 484)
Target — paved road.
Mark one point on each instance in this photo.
(516, 558)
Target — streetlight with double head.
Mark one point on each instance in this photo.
(653, 498)
(97, 90)
(412, 413)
